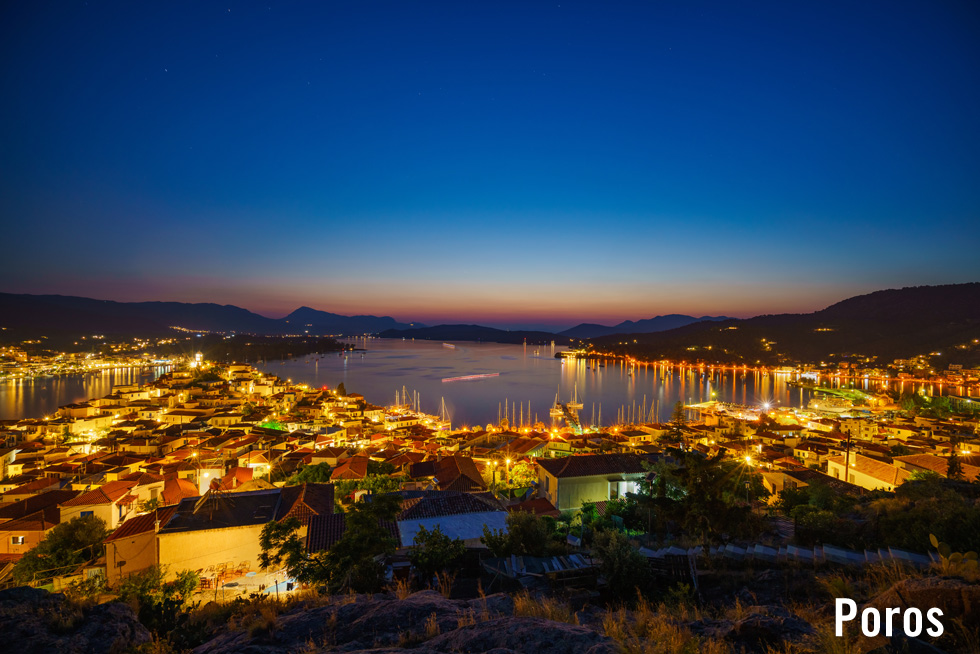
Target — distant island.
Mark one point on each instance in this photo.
(649, 325)
(941, 322)
(33, 315)
(477, 333)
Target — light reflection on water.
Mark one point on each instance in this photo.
(531, 375)
(35, 397)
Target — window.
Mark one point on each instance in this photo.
(85, 514)
(16, 540)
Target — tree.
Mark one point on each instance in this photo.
(522, 475)
(355, 562)
(379, 467)
(954, 467)
(434, 551)
(526, 534)
(281, 547)
(677, 418)
(149, 505)
(65, 547)
(899, 450)
(624, 568)
(375, 484)
(314, 474)
(158, 603)
(341, 390)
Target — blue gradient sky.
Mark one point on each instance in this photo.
(505, 163)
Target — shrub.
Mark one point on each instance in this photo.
(625, 569)
(433, 551)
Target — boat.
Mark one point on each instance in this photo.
(471, 377)
(449, 345)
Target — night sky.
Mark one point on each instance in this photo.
(505, 163)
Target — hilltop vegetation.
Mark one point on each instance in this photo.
(884, 325)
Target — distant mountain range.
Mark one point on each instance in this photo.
(656, 324)
(886, 324)
(332, 323)
(34, 315)
(883, 326)
(476, 333)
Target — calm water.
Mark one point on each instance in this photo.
(530, 374)
(526, 375)
(38, 397)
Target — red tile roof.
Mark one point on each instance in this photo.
(537, 506)
(306, 500)
(36, 503)
(142, 523)
(325, 530)
(43, 520)
(35, 487)
(353, 468)
(593, 464)
(106, 494)
(174, 490)
(452, 473)
(235, 478)
(938, 464)
(442, 504)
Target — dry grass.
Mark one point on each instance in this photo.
(156, 646)
(966, 638)
(402, 588)
(882, 576)
(309, 647)
(648, 631)
(466, 618)
(737, 612)
(808, 611)
(66, 620)
(830, 643)
(787, 648)
(544, 607)
(445, 581)
(265, 623)
(432, 627)
(839, 585)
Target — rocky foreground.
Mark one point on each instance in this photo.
(427, 623)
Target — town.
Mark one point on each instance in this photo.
(185, 472)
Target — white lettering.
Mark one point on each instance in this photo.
(888, 620)
(865, 628)
(846, 610)
(840, 618)
(937, 630)
(917, 614)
